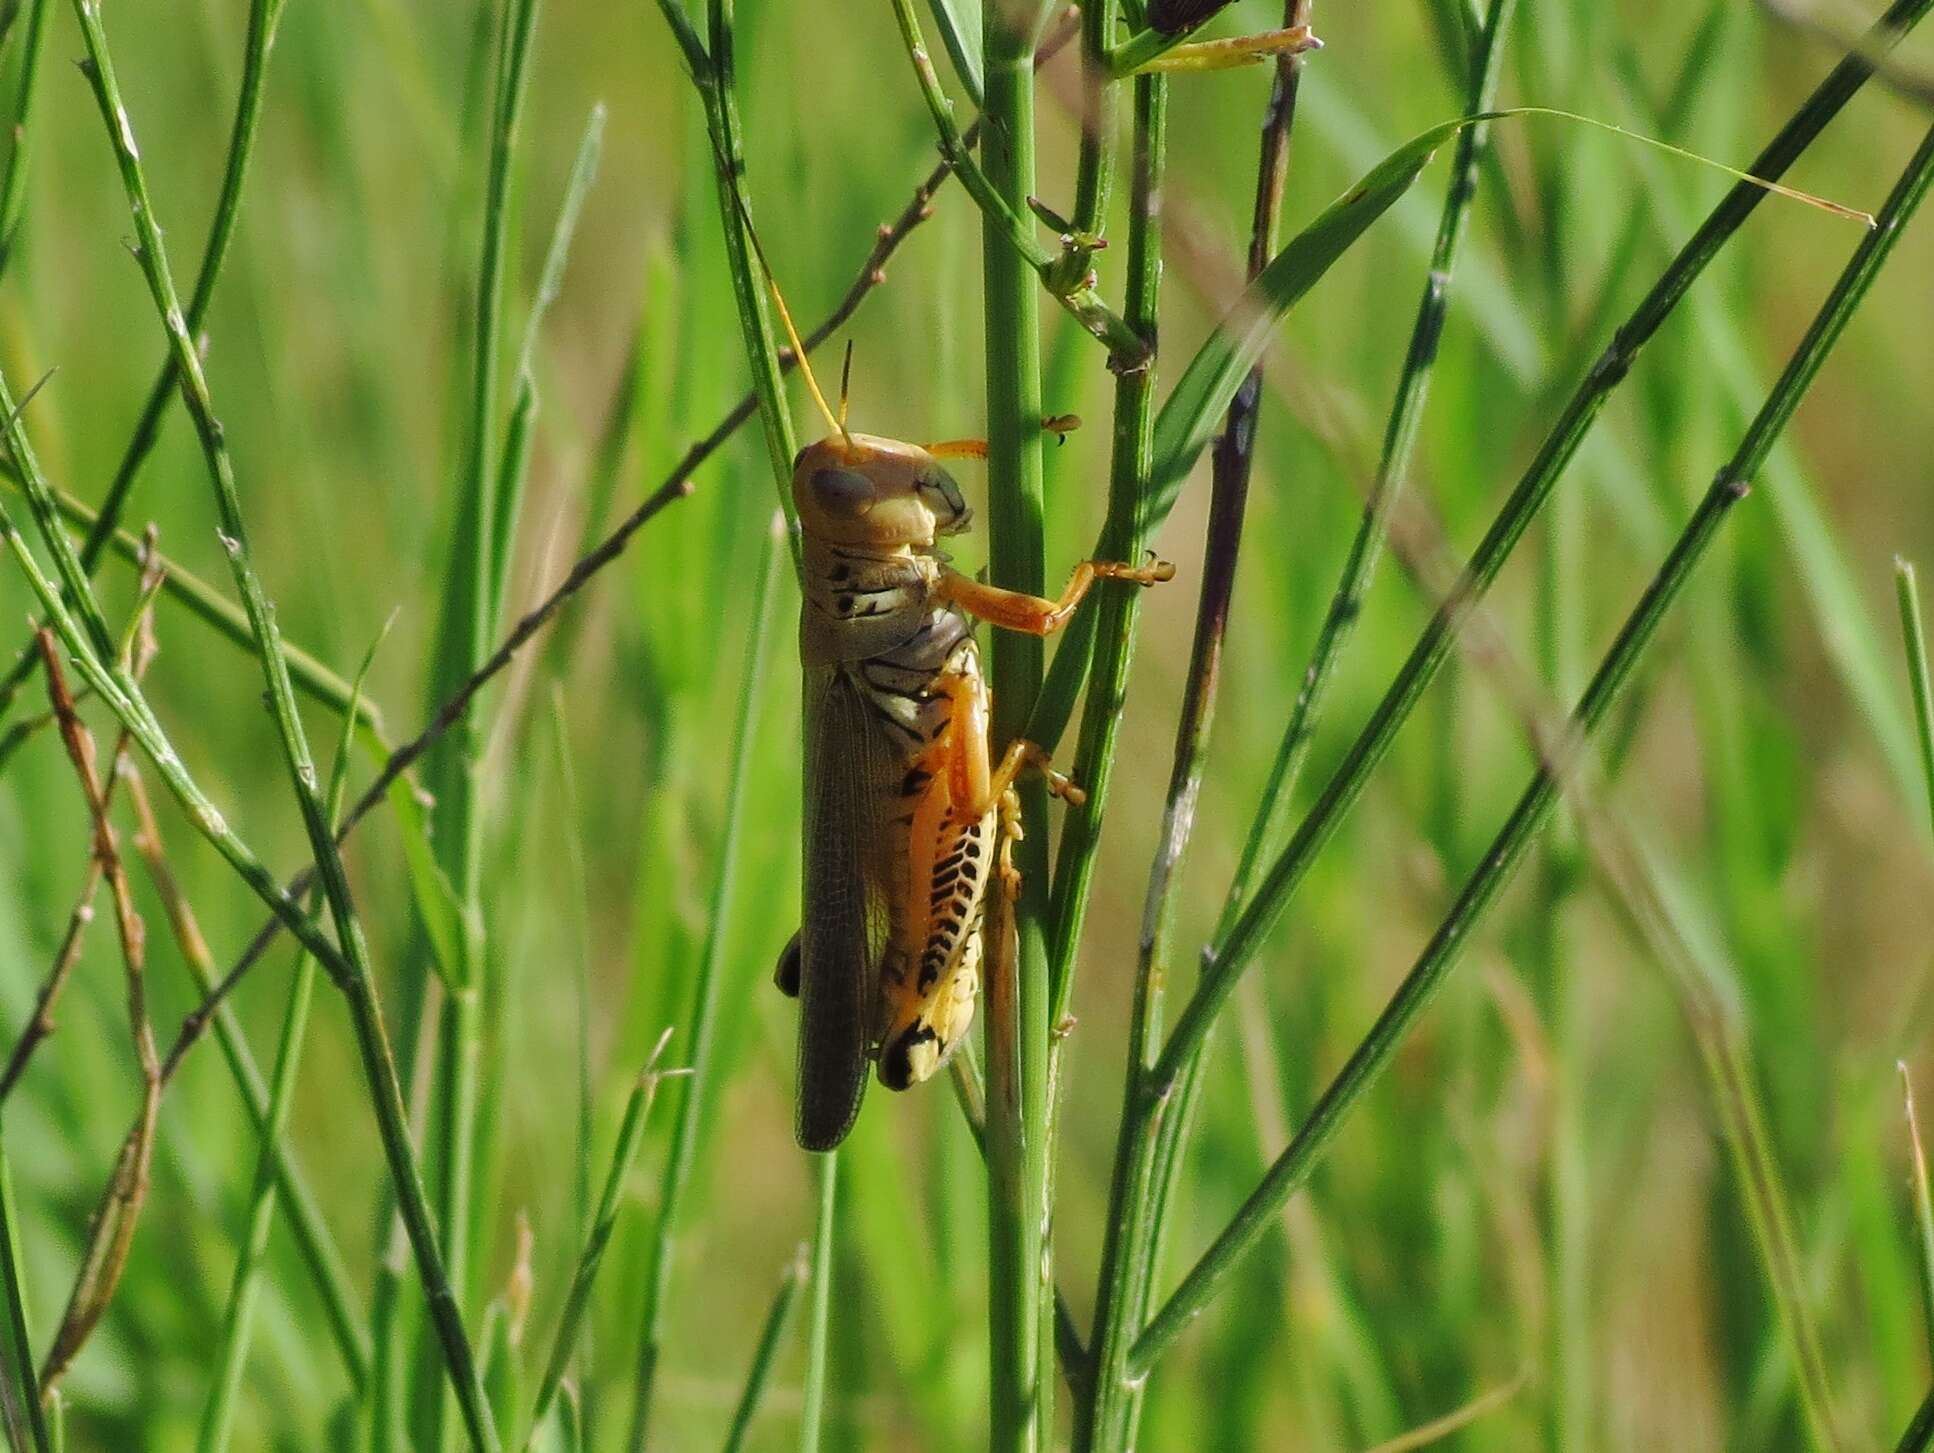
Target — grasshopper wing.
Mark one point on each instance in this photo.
(844, 922)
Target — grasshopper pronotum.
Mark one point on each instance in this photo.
(906, 808)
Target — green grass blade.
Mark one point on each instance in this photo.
(13, 185)
(959, 22)
(1919, 1436)
(707, 989)
(515, 463)
(631, 1134)
(1914, 638)
(759, 1374)
(819, 1310)
(19, 1348)
(218, 1411)
(1203, 393)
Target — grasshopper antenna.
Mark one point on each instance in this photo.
(845, 384)
(837, 422)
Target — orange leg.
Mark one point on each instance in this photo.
(1059, 425)
(958, 449)
(1015, 610)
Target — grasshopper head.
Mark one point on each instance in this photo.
(867, 491)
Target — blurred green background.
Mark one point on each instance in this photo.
(1771, 763)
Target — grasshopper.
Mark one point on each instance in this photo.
(909, 815)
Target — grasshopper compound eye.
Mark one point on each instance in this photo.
(843, 494)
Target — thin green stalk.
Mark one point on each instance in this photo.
(706, 991)
(759, 1375)
(13, 185)
(1230, 953)
(718, 90)
(519, 434)
(812, 1411)
(20, 1355)
(714, 74)
(357, 981)
(631, 1134)
(1729, 1071)
(1019, 1028)
(1914, 637)
(238, 1325)
(970, 1096)
(1919, 1436)
(1122, 1301)
(1730, 485)
(1923, 1204)
(1101, 722)
(264, 15)
(1123, 537)
(1100, 102)
(1004, 215)
(475, 576)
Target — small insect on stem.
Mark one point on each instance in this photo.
(907, 803)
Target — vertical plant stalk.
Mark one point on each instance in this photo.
(13, 184)
(218, 1412)
(356, 980)
(812, 1411)
(714, 75)
(1100, 101)
(707, 987)
(1018, 1024)
(1730, 485)
(111, 1231)
(264, 16)
(476, 579)
(1914, 639)
(1107, 1412)
(759, 1375)
(19, 1372)
(1919, 1434)
(1923, 1203)
(1122, 1300)
(1122, 537)
(577, 1301)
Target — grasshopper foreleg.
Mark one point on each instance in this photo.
(1035, 615)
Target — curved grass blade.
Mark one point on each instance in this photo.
(760, 1373)
(1208, 385)
(959, 22)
